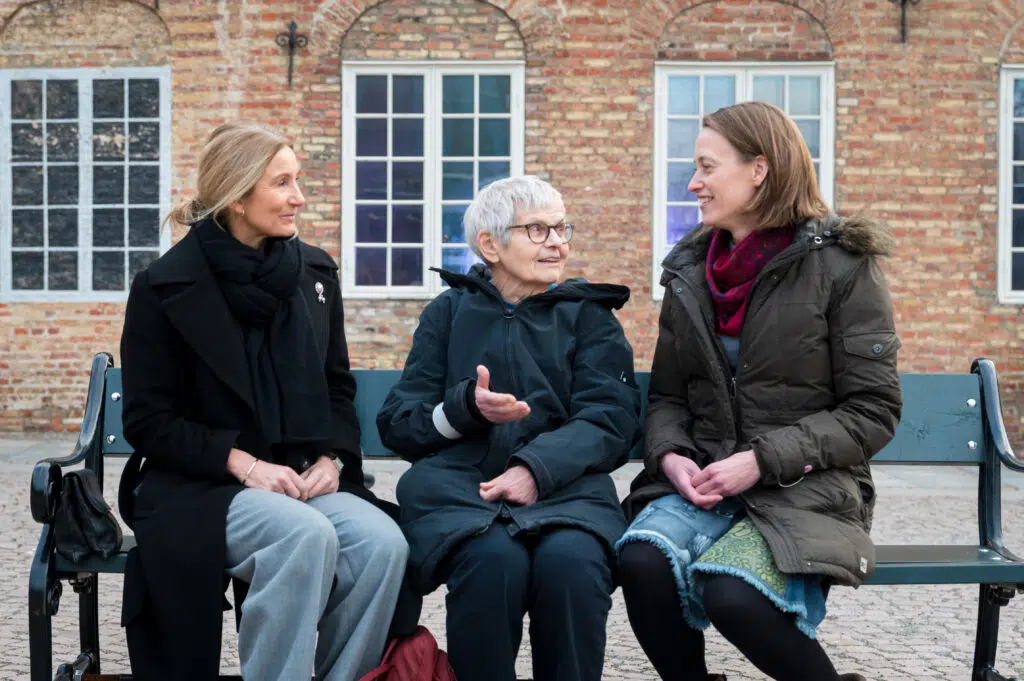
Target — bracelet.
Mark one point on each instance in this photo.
(246, 476)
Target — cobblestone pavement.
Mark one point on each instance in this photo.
(886, 633)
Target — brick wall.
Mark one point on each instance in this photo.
(916, 128)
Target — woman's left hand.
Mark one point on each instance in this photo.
(516, 486)
(322, 477)
(728, 477)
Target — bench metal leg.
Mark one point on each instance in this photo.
(991, 598)
(43, 598)
(87, 588)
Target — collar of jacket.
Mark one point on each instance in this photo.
(196, 307)
(857, 234)
(612, 296)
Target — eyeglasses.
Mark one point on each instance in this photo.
(539, 232)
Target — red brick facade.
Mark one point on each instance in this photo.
(916, 128)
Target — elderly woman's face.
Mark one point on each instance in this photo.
(530, 263)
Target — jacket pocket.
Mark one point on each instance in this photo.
(874, 345)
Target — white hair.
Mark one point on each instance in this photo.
(494, 208)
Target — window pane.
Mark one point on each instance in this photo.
(140, 260)
(108, 227)
(771, 89)
(61, 99)
(452, 230)
(27, 185)
(143, 184)
(1018, 229)
(372, 137)
(1018, 141)
(1018, 97)
(804, 96)
(680, 220)
(407, 180)
(407, 224)
(456, 181)
(719, 91)
(27, 271)
(407, 137)
(457, 259)
(144, 98)
(371, 180)
(457, 94)
(27, 228)
(62, 141)
(457, 136)
(143, 227)
(491, 171)
(1018, 184)
(26, 142)
(683, 94)
(371, 94)
(679, 175)
(62, 185)
(495, 94)
(108, 184)
(27, 99)
(811, 130)
(371, 266)
(108, 98)
(63, 227)
(108, 271)
(494, 137)
(144, 141)
(407, 266)
(371, 224)
(1017, 278)
(681, 136)
(407, 94)
(108, 142)
(63, 271)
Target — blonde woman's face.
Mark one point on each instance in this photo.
(272, 207)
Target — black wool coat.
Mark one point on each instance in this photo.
(187, 401)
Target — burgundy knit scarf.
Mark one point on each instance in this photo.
(731, 274)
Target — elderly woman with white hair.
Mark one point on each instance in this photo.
(517, 400)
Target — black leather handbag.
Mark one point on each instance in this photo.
(85, 524)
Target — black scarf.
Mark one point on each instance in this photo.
(261, 288)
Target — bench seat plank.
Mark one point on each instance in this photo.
(967, 564)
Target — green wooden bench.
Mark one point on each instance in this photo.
(948, 419)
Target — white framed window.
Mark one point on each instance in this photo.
(1010, 268)
(85, 162)
(685, 92)
(418, 142)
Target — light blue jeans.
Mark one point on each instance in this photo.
(333, 564)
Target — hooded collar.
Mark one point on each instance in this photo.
(611, 296)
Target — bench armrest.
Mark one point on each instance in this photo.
(46, 476)
(994, 426)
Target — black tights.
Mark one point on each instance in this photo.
(764, 634)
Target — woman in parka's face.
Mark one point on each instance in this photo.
(725, 184)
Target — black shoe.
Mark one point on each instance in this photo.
(716, 677)
(852, 677)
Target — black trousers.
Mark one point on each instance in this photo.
(562, 578)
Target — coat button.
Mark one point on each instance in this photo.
(876, 348)
(679, 290)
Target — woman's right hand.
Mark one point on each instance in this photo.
(680, 471)
(266, 475)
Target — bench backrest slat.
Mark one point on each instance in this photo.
(937, 427)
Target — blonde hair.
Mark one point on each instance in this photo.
(789, 194)
(233, 160)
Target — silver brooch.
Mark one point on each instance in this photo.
(319, 288)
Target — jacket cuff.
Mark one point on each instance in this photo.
(218, 448)
(454, 418)
(541, 474)
(775, 470)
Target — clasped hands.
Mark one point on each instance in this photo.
(516, 485)
(705, 488)
(319, 479)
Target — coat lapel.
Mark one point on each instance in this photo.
(200, 313)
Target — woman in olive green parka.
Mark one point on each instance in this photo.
(774, 383)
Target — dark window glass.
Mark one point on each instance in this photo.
(108, 141)
(457, 134)
(144, 98)
(144, 184)
(407, 266)
(108, 184)
(108, 227)
(407, 137)
(63, 274)
(371, 224)
(61, 99)
(63, 227)
(62, 141)
(407, 180)
(62, 185)
(407, 94)
(457, 94)
(26, 142)
(108, 270)
(371, 180)
(495, 94)
(27, 185)
(27, 270)
(372, 137)
(140, 260)
(143, 227)
(371, 266)
(144, 141)
(108, 98)
(371, 94)
(27, 99)
(407, 224)
(27, 228)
